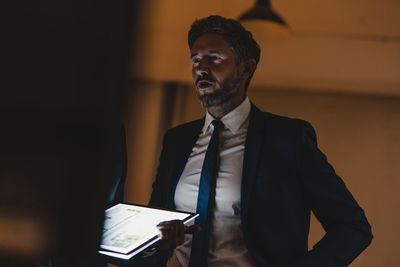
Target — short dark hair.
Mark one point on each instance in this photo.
(241, 40)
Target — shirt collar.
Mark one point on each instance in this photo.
(234, 119)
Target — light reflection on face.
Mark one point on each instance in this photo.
(214, 71)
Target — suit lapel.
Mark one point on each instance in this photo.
(185, 143)
(254, 143)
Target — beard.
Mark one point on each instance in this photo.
(227, 90)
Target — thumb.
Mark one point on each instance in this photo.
(192, 229)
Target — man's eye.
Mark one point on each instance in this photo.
(215, 58)
(195, 60)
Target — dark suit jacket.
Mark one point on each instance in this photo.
(285, 176)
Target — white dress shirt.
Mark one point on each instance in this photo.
(227, 247)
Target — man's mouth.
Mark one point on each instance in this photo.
(203, 84)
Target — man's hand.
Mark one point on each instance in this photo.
(173, 233)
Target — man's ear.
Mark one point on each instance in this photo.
(249, 66)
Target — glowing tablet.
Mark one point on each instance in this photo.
(128, 229)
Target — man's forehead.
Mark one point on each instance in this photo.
(210, 42)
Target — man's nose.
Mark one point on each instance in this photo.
(202, 67)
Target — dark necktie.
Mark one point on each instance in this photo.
(206, 199)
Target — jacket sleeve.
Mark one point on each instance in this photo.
(348, 232)
(160, 185)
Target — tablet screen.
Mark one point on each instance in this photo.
(129, 229)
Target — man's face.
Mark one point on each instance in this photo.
(215, 73)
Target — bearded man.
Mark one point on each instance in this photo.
(253, 177)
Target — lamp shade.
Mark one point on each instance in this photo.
(262, 11)
(261, 19)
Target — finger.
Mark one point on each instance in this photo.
(174, 233)
(165, 223)
(165, 226)
(156, 244)
(192, 229)
(168, 222)
(180, 235)
(164, 233)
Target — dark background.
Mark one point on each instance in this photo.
(65, 65)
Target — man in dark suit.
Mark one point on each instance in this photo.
(269, 173)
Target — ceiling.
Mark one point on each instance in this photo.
(334, 45)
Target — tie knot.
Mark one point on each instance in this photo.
(218, 125)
